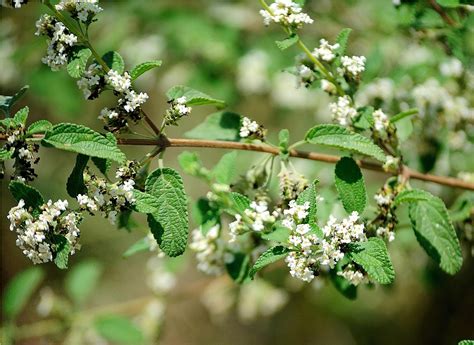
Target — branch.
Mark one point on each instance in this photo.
(442, 13)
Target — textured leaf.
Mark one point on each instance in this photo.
(342, 39)
(139, 69)
(6, 154)
(287, 42)
(77, 64)
(166, 187)
(279, 234)
(80, 139)
(350, 185)
(61, 248)
(193, 97)
(75, 183)
(40, 126)
(310, 195)
(7, 102)
(344, 139)
(114, 61)
(434, 231)
(139, 246)
(239, 268)
(412, 195)
(466, 342)
(218, 126)
(82, 280)
(28, 194)
(119, 330)
(226, 169)
(373, 257)
(19, 290)
(21, 116)
(268, 257)
(240, 202)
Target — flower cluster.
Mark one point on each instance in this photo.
(177, 110)
(109, 198)
(381, 122)
(353, 66)
(292, 183)
(92, 81)
(286, 13)
(41, 235)
(386, 220)
(257, 218)
(342, 111)
(354, 275)
(326, 51)
(61, 41)
(210, 250)
(251, 129)
(82, 10)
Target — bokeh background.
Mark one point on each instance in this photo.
(222, 48)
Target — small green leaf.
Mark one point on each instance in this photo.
(279, 234)
(239, 268)
(82, 280)
(21, 116)
(119, 330)
(339, 137)
(404, 114)
(19, 290)
(114, 61)
(350, 185)
(6, 154)
(205, 215)
(193, 97)
(31, 196)
(449, 3)
(191, 164)
(268, 257)
(61, 248)
(342, 39)
(218, 126)
(80, 139)
(283, 143)
(139, 246)
(78, 62)
(226, 169)
(412, 195)
(40, 126)
(404, 128)
(239, 201)
(287, 42)
(463, 208)
(138, 70)
(7, 102)
(310, 195)
(75, 183)
(372, 255)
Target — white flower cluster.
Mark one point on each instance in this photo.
(90, 80)
(354, 276)
(286, 13)
(353, 66)
(83, 10)
(60, 41)
(248, 127)
(305, 75)
(385, 232)
(258, 216)
(120, 83)
(210, 251)
(451, 68)
(342, 111)
(325, 51)
(380, 121)
(382, 89)
(13, 3)
(291, 183)
(36, 234)
(107, 198)
(177, 110)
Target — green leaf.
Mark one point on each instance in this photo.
(226, 169)
(404, 128)
(191, 164)
(449, 3)
(218, 126)
(114, 61)
(102, 164)
(434, 230)
(239, 268)
(372, 255)
(139, 246)
(342, 39)
(404, 114)
(466, 342)
(82, 280)
(6, 154)
(138, 70)
(80, 139)
(463, 208)
(310, 195)
(239, 202)
(40, 126)
(350, 185)
(61, 248)
(7, 102)
(75, 183)
(283, 143)
(119, 329)
(268, 257)
(287, 42)
(19, 290)
(365, 120)
(31, 196)
(77, 64)
(344, 139)
(205, 214)
(342, 285)
(412, 195)
(21, 116)
(169, 219)
(193, 97)
(279, 234)
(126, 221)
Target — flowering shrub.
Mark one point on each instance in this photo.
(243, 228)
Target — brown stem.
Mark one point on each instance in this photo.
(442, 13)
(232, 145)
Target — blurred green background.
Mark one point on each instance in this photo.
(222, 48)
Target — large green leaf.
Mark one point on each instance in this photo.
(139, 69)
(80, 139)
(218, 126)
(372, 255)
(75, 183)
(30, 195)
(341, 138)
(268, 257)
(350, 185)
(19, 291)
(119, 330)
(193, 97)
(82, 280)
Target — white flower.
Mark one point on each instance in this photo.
(248, 127)
(118, 82)
(451, 68)
(382, 199)
(391, 163)
(82, 9)
(354, 65)
(342, 111)
(108, 114)
(385, 233)
(354, 276)
(210, 250)
(287, 13)
(325, 51)
(380, 120)
(134, 100)
(90, 79)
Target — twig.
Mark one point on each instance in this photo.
(442, 13)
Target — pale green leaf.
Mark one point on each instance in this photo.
(119, 330)
(139, 69)
(287, 42)
(193, 97)
(21, 116)
(61, 249)
(218, 126)
(40, 126)
(343, 39)
(6, 154)
(239, 202)
(226, 169)
(82, 280)
(268, 257)
(78, 62)
(139, 246)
